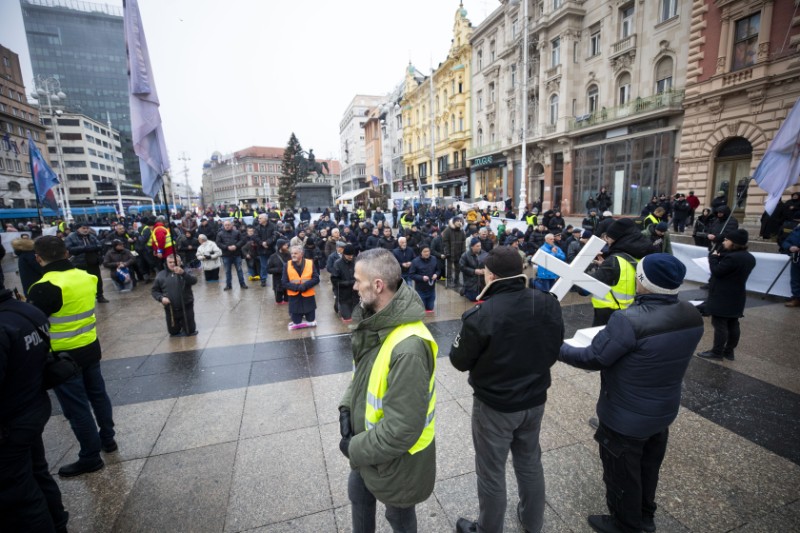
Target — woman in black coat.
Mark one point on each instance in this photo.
(730, 268)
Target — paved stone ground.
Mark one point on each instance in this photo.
(236, 429)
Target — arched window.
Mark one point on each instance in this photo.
(445, 130)
(592, 99)
(453, 123)
(623, 89)
(480, 140)
(14, 186)
(554, 109)
(731, 170)
(491, 133)
(664, 75)
(480, 59)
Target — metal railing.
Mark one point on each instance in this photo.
(623, 44)
(668, 99)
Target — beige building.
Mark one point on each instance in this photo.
(743, 78)
(436, 120)
(605, 87)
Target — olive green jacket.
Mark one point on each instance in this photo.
(394, 476)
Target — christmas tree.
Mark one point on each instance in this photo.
(290, 173)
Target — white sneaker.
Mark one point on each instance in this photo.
(291, 326)
(311, 324)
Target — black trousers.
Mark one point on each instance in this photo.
(177, 321)
(280, 292)
(95, 271)
(29, 497)
(211, 275)
(726, 334)
(630, 473)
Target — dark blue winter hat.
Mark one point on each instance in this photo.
(474, 241)
(661, 273)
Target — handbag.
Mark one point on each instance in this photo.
(58, 367)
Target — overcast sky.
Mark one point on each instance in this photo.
(236, 73)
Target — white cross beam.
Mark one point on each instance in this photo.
(574, 273)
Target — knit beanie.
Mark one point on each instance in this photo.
(349, 249)
(661, 273)
(662, 226)
(737, 236)
(620, 228)
(474, 241)
(504, 262)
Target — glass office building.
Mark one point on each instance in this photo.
(82, 44)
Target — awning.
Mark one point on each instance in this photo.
(346, 197)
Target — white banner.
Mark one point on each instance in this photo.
(767, 268)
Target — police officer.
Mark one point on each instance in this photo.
(29, 497)
(66, 294)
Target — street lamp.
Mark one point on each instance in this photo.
(50, 88)
(523, 188)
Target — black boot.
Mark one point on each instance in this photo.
(81, 467)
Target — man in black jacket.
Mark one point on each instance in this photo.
(29, 497)
(86, 253)
(642, 355)
(231, 242)
(343, 278)
(172, 288)
(508, 344)
(265, 231)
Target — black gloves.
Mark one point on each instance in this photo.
(346, 430)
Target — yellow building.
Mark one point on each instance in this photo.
(436, 126)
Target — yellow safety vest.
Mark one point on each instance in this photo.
(73, 326)
(361, 214)
(531, 220)
(379, 375)
(650, 219)
(167, 240)
(622, 294)
(406, 223)
(62, 226)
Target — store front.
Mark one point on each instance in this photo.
(633, 169)
(489, 178)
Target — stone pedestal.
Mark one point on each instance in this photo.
(313, 196)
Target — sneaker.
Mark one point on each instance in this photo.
(110, 446)
(728, 355)
(312, 324)
(227, 288)
(709, 355)
(81, 467)
(245, 287)
(293, 326)
(604, 523)
(466, 526)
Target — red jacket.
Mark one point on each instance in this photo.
(161, 239)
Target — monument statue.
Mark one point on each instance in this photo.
(309, 164)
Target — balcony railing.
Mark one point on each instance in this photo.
(485, 149)
(623, 45)
(665, 100)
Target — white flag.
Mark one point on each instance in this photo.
(780, 167)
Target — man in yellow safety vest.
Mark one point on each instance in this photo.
(67, 296)
(387, 415)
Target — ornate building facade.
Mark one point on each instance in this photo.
(743, 78)
(436, 120)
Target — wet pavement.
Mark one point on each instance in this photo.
(236, 429)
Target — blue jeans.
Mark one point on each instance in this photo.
(402, 519)
(428, 299)
(544, 284)
(237, 261)
(262, 259)
(78, 397)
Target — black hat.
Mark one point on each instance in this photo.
(116, 242)
(620, 228)
(661, 273)
(280, 243)
(662, 226)
(504, 262)
(349, 249)
(474, 241)
(737, 236)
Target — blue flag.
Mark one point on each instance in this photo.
(148, 136)
(44, 179)
(780, 167)
(374, 180)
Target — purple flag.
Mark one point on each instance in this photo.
(780, 167)
(148, 137)
(44, 179)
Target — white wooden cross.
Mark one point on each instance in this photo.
(574, 273)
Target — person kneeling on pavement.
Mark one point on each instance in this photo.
(119, 261)
(173, 289)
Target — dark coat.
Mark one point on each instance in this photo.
(29, 270)
(453, 241)
(178, 288)
(726, 288)
(228, 238)
(343, 278)
(469, 262)
(424, 267)
(642, 354)
(404, 256)
(83, 250)
(266, 233)
(497, 340)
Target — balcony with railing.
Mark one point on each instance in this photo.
(665, 101)
(485, 149)
(623, 45)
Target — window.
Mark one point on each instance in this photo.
(460, 86)
(72, 150)
(71, 137)
(14, 186)
(491, 133)
(664, 75)
(594, 43)
(554, 109)
(460, 123)
(453, 123)
(514, 28)
(593, 97)
(624, 91)
(17, 165)
(575, 51)
(445, 97)
(491, 93)
(75, 164)
(669, 9)
(2, 166)
(513, 76)
(745, 41)
(626, 24)
(80, 190)
(9, 164)
(480, 136)
(557, 4)
(491, 52)
(480, 100)
(480, 60)
(555, 54)
(437, 104)
(455, 159)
